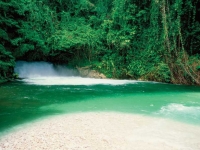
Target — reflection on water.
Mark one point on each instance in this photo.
(22, 101)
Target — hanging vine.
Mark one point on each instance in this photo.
(155, 40)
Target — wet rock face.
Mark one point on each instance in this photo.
(89, 73)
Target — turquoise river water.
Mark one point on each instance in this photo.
(35, 97)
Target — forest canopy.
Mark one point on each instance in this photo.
(156, 40)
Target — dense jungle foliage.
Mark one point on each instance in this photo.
(157, 40)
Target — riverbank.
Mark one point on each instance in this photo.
(103, 130)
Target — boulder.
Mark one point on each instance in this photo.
(89, 73)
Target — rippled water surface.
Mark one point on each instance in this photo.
(25, 100)
(36, 97)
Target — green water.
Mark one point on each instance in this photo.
(21, 102)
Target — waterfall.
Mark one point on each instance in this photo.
(45, 73)
(42, 69)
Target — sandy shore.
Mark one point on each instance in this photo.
(103, 131)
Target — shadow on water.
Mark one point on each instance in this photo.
(21, 102)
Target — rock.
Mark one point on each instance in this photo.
(87, 72)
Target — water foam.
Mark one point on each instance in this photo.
(174, 107)
(182, 112)
(42, 69)
(44, 73)
(74, 81)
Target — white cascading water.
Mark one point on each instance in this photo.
(41, 69)
(44, 73)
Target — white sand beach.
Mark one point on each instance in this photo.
(103, 131)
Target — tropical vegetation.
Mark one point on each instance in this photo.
(157, 40)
